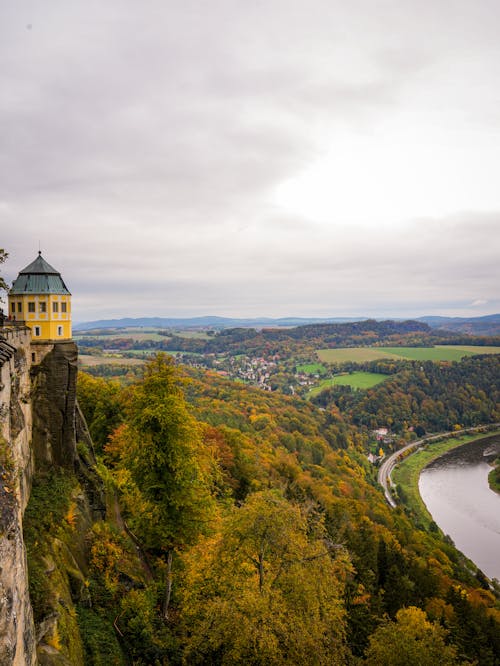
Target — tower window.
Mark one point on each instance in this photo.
(37, 331)
(19, 306)
(55, 307)
(31, 306)
(63, 307)
(59, 330)
(13, 307)
(43, 306)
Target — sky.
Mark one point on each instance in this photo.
(234, 158)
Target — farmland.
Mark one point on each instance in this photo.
(87, 360)
(356, 380)
(437, 353)
(108, 337)
(312, 368)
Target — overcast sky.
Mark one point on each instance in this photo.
(289, 157)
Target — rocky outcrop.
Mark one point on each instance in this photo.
(17, 633)
(40, 425)
(54, 407)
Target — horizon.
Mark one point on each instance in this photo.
(271, 320)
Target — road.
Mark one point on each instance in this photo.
(384, 473)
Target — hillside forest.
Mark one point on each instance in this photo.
(246, 526)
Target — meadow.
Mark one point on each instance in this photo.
(356, 380)
(438, 353)
(87, 360)
(107, 339)
(312, 368)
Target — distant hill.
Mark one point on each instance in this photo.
(210, 322)
(487, 325)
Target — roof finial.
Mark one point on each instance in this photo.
(39, 249)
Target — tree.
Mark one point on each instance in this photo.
(410, 641)
(100, 403)
(168, 471)
(3, 285)
(268, 590)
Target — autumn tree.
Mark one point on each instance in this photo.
(165, 472)
(410, 641)
(268, 590)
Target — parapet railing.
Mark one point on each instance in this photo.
(7, 350)
(8, 322)
(13, 331)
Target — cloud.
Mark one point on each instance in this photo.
(143, 146)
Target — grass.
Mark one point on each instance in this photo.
(87, 360)
(474, 349)
(312, 368)
(442, 353)
(438, 353)
(127, 334)
(407, 473)
(361, 354)
(357, 380)
(193, 335)
(494, 477)
(360, 380)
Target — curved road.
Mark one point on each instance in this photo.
(384, 473)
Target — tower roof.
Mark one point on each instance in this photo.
(39, 277)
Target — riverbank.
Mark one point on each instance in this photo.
(406, 475)
(494, 477)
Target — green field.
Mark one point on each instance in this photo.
(357, 380)
(438, 353)
(107, 340)
(473, 349)
(359, 354)
(312, 368)
(193, 335)
(86, 360)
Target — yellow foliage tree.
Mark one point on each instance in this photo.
(410, 641)
(268, 590)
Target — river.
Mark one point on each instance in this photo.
(456, 492)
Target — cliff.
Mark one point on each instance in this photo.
(47, 485)
(17, 635)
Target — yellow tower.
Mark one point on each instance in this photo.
(41, 300)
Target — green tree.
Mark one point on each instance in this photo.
(101, 405)
(169, 496)
(3, 285)
(410, 641)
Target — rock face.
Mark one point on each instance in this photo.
(39, 427)
(17, 634)
(54, 407)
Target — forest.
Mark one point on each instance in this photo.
(422, 395)
(246, 527)
(287, 342)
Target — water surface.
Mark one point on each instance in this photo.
(456, 492)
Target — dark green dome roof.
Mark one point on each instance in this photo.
(39, 278)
